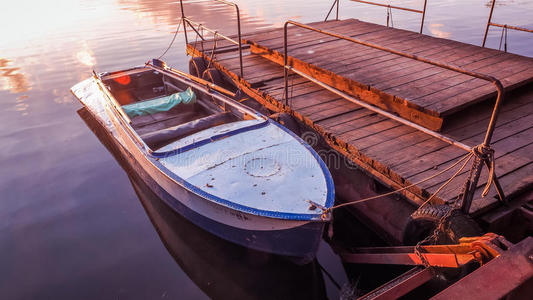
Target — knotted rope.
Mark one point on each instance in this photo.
(486, 154)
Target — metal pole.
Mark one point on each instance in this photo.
(337, 16)
(238, 31)
(488, 23)
(240, 39)
(286, 60)
(388, 5)
(387, 114)
(331, 9)
(423, 16)
(511, 27)
(495, 112)
(184, 22)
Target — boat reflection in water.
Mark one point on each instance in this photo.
(221, 269)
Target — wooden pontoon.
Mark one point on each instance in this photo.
(450, 104)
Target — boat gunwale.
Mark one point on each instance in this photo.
(154, 160)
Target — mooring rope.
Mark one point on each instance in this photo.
(172, 42)
(481, 152)
(213, 51)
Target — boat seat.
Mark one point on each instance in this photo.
(163, 137)
(163, 120)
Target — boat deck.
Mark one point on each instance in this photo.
(395, 154)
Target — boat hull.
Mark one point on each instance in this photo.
(296, 239)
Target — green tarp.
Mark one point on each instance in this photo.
(159, 104)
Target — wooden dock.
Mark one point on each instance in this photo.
(457, 105)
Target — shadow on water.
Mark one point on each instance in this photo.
(221, 269)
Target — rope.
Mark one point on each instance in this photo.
(482, 152)
(467, 156)
(172, 42)
(486, 153)
(213, 51)
(448, 181)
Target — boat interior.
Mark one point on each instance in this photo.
(163, 109)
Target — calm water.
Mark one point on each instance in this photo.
(71, 223)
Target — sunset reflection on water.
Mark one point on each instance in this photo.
(71, 224)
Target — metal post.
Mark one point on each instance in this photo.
(471, 186)
(423, 16)
(184, 22)
(337, 15)
(238, 31)
(488, 23)
(238, 28)
(240, 39)
(336, 2)
(286, 61)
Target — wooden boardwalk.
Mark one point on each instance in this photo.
(395, 154)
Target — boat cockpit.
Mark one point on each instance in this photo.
(162, 109)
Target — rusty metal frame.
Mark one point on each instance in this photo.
(239, 42)
(400, 285)
(468, 196)
(480, 249)
(423, 11)
(490, 23)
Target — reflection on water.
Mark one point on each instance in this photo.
(213, 15)
(70, 223)
(224, 270)
(435, 30)
(13, 80)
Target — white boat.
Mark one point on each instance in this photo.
(225, 167)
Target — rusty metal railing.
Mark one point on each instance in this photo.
(504, 26)
(423, 11)
(469, 194)
(187, 21)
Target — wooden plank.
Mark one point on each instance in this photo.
(354, 124)
(311, 99)
(298, 36)
(508, 138)
(368, 130)
(379, 138)
(326, 110)
(361, 55)
(277, 33)
(321, 49)
(363, 92)
(416, 152)
(343, 118)
(474, 90)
